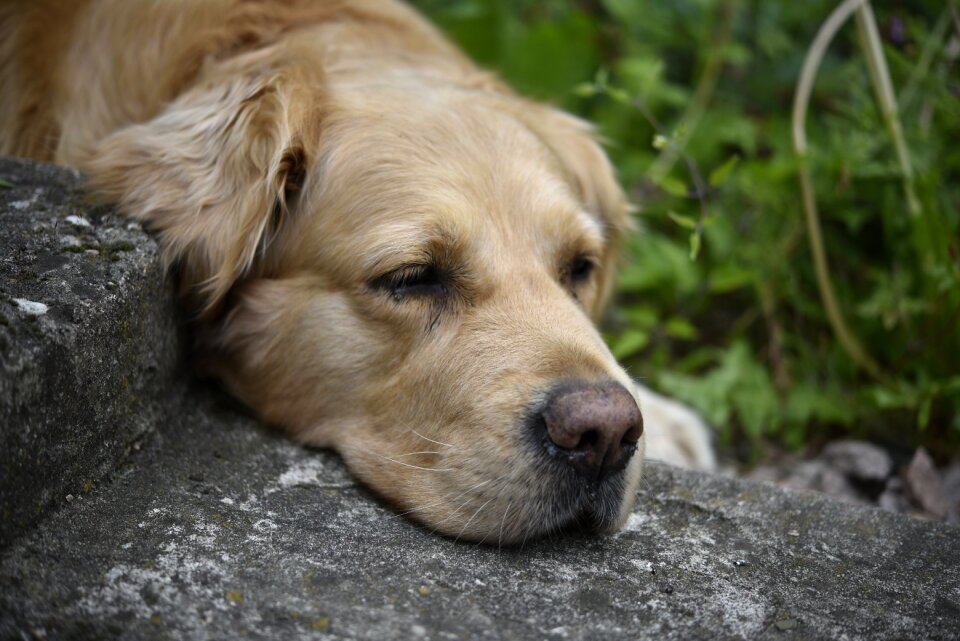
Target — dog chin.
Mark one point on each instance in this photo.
(604, 507)
(574, 506)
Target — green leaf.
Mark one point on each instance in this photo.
(619, 95)
(719, 175)
(660, 142)
(629, 343)
(728, 277)
(602, 77)
(923, 416)
(684, 221)
(694, 245)
(673, 186)
(5, 184)
(680, 328)
(585, 90)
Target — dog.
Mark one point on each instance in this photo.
(387, 251)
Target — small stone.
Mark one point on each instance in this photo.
(859, 460)
(767, 473)
(925, 485)
(79, 221)
(817, 475)
(951, 492)
(418, 630)
(892, 498)
(785, 624)
(31, 307)
(741, 563)
(69, 498)
(70, 242)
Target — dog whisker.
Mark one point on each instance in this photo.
(470, 520)
(502, 521)
(462, 505)
(451, 515)
(443, 500)
(414, 454)
(417, 467)
(427, 438)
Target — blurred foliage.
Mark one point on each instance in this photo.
(718, 301)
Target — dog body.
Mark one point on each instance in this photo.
(387, 250)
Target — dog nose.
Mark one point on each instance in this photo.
(593, 428)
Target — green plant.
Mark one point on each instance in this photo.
(721, 299)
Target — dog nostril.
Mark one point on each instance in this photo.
(588, 441)
(632, 435)
(593, 428)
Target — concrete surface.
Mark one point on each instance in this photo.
(218, 529)
(87, 340)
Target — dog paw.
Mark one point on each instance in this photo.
(674, 433)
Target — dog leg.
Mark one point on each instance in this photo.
(674, 433)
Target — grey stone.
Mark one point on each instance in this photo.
(819, 476)
(220, 529)
(87, 343)
(925, 485)
(951, 491)
(859, 460)
(893, 498)
(216, 528)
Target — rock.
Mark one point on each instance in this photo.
(893, 498)
(157, 552)
(821, 477)
(859, 460)
(951, 491)
(85, 369)
(925, 485)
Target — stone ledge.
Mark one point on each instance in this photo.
(220, 529)
(217, 529)
(87, 340)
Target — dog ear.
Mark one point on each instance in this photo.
(592, 177)
(214, 174)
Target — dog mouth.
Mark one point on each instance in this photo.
(571, 466)
(596, 506)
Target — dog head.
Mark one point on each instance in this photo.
(406, 272)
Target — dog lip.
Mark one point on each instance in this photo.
(591, 517)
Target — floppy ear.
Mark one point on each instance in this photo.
(213, 174)
(590, 174)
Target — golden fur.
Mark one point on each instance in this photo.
(297, 160)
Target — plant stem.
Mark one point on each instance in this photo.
(933, 41)
(701, 96)
(883, 86)
(801, 102)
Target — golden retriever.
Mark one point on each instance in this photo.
(388, 252)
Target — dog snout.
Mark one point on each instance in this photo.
(594, 428)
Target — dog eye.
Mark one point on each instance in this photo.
(581, 269)
(413, 281)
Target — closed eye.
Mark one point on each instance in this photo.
(581, 269)
(413, 281)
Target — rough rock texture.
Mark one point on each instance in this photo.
(219, 529)
(87, 340)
